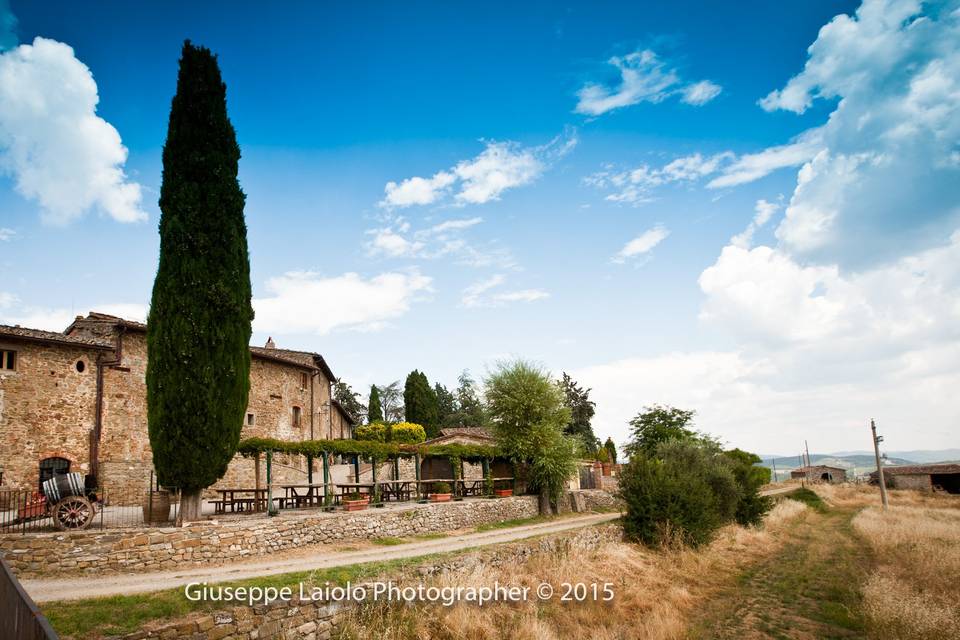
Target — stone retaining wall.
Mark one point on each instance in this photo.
(217, 542)
(317, 620)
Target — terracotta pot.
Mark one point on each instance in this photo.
(356, 505)
(503, 493)
(440, 497)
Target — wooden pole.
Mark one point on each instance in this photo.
(376, 485)
(326, 479)
(876, 452)
(271, 510)
(356, 469)
(416, 464)
(309, 469)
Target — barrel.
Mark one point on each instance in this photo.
(63, 486)
(156, 506)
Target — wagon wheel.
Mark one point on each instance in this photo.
(73, 512)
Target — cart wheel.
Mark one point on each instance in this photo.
(74, 512)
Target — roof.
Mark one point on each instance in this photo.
(343, 411)
(52, 337)
(921, 469)
(816, 467)
(477, 432)
(96, 325)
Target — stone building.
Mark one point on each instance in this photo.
(76, 401)
(820, 473)
(922, 477)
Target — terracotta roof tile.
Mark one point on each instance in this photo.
(38, 335)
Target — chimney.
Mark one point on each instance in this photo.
(270, 344)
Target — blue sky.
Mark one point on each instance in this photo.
(744, 209)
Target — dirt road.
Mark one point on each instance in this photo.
(46, 590)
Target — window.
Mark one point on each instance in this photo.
(8, 360)
(81, 366)
(251, 419)
(296, 416)
(304, 380)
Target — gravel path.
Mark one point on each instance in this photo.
(46, 590)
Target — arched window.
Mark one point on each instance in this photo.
(50, 467)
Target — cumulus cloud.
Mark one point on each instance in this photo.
(641, 245)
(58, 151)
(643, 77)
(306, 302)
(763, 211)
(6, 234)
(499, 167)
(13, 311)
(886, 179)
(481, 294)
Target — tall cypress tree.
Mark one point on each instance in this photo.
(420, 403)
(374, 411)
(198, 332)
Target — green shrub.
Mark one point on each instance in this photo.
(441, 487)
(750, 477)
(375, 431)
(684, 491)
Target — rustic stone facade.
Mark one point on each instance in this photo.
(217, 542)
(48, 404)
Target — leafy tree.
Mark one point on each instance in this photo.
(529, 416)
(581, 412)
(349, 400)
(657, 424)
(751, 506)
(374, 410)
(611, 450)
(682, 491)
(198, 331)
(391, 400)
(420, 402)
(470, 410)
(446, 405)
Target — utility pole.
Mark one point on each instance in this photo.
(805, 446)
(803, 469)
(876, 452)
(773, 461)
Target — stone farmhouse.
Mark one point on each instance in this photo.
(76, 401)
(820, 473)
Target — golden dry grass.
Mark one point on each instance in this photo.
(655, 591)
(913, 592)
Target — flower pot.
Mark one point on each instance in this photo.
(503, 493)
(440, 497)
(156, 506)
(356, 505)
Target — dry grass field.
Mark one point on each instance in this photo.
(837, 569)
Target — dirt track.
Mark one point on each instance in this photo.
(46, 590)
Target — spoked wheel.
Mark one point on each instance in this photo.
(74, 512)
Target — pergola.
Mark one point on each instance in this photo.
(374, 452)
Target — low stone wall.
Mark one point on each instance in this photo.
(317, 620)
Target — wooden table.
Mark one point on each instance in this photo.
(471, 486)
(429, 483)
(257, 500)
(347, 488)
(293, 499)
(398, 489)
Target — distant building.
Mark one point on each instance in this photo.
(923, 477)
(820, 473)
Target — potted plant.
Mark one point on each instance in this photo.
(440, 492)
(355, 502)
(603, 457)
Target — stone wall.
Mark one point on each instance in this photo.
(212, 542)
(47, 409)
(917, 482)
(318, 620)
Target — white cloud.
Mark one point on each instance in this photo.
(636, 186)
(52, 142)
(14, 312)
(642, 244)
(753, 166)
(889, 148)
(454, 225)
(763, 212)
(499, 167)
(644, 77)
(6, 234)
(479, 294)
(305, 302)
(388, 242)
(701, 92)
(444, 239)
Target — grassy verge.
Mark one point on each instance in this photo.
(807, 497)
(117, 615)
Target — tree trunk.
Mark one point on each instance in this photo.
(190, 503)
(544, 502)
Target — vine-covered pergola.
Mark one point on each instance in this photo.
(374, 452)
